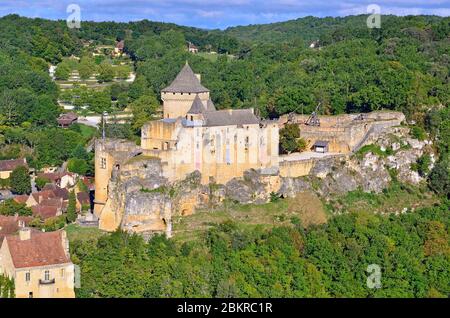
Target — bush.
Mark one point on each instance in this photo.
(418, 133)
(20, 181)
(76, 165)
(10, 207)
(41, 182)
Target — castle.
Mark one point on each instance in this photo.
(222, 145)
(192, 136)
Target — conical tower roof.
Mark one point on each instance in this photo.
(210, 106)
(197, 106)
(186, 82)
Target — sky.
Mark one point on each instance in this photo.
(212, 14)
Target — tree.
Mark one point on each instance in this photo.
(290, 140)
(10, 207)
(105, 72)
(41, 182)
(78, 166)
(62, 72)
(7, 288)
(20, 181)
(72, 208)
(143, 108)
(439, 178)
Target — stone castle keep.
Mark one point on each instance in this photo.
(192, 136)
(219, 145)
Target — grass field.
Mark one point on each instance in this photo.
(306, 208)
(392, 200)
(76, 232)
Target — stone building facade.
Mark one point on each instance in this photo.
(39, 263)
(192, 136)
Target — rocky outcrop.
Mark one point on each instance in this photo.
(142, 201)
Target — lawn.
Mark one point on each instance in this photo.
(306, 208)
(76, 232)
(392, 200)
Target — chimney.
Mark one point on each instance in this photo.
(199, 77)
(65, 243)
(24, 234)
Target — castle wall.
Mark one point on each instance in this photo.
(219, 153)
(108, 154)
(295, 169)
(178, 104)
(343, 132)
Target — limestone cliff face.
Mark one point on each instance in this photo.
(142, 201)
(339, 175)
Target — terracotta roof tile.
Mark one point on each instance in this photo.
(83, 197)
(10, 165)
(45, 211)
(21, 198)
(41, 249)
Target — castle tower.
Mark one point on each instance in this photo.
(195, 113)
(181, 93)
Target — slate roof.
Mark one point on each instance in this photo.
(321, 143)
(186, 82)
(42, 249)
(210, 106)
(233, 117)
(197, 106)
(10, 165)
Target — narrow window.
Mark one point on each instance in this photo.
(47, 275)
(103, 163)
(27, 277)
(63, 272)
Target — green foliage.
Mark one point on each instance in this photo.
(372, 148)
(78, 166)
(105, 72)
(290, 140)
(326, 261)
(10, 207)
(20, 181)
(7, 288)
(72, 208)
(418, 133)
(143, 109)
(41, 182)
(439, 179)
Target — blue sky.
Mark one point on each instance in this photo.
(216, 13)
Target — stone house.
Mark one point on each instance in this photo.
(39, 263)
(8, 166)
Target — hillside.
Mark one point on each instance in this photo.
(327, 29)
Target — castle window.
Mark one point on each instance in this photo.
(63, 272)
(47, 275)
(27, 277)
(103, 163)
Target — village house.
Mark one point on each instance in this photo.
(8, 166)
(192, 48)
(11, 225)
(62, 180)
(67, 119)
(118, 49)
(39, 263)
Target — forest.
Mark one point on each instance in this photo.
(321, 261)
(403, 66)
